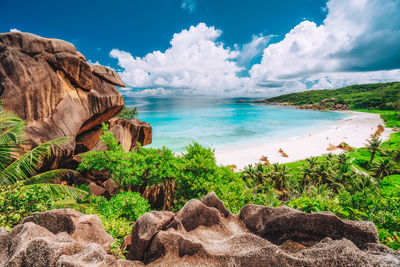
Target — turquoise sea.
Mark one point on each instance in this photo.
(223, 123)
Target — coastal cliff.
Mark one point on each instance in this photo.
(49, 84)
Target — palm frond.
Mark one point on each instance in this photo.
(60, 190)
(71, 203)
(50, 176)
(11, 136)
(26, 165)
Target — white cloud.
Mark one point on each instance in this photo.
(356, 43)
(150, 92)
(341, 79)
(14, 30)
(189, 5)
(90, 62)
(357, 35)
(195, 61)
(252, 49)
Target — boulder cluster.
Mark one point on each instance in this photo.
(205, 233)
(325, 104)
(59, 238)
(202, 233)
(48, 83)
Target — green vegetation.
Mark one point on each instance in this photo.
(180, 177)
(349, 185)
(382, 96)
(362, 184)
(128, 113)
(23, 191)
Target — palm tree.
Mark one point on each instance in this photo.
(373, 146)
(384, 168)
(280, 176)
(396, 155)
(307, 176)
(255, 177)
(312, 162)
(343, 159)
(330, 159)
(323, 172)
(16, 166)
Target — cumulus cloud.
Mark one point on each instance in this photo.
(14, 30)
(195, 61)
(358, 42)
(252, 50)
(90, 62)
(341, 79)
(357, 35)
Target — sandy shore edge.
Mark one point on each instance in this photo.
(353, 130)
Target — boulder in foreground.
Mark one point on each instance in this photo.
(202, 233)
(62, 237)
(205, 233)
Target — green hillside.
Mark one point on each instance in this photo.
(382, 96)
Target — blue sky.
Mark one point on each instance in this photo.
(218, 47)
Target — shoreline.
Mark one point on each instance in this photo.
(353, 130)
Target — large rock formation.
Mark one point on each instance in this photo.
(205, 233)
(48, 83)
(202, 233)
(59, 238)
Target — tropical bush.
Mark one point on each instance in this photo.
(117, 214)
(181, 177)
(17, 202)
(128, 113)
(128, 205)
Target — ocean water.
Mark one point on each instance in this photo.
(223, 123)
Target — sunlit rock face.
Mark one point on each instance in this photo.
(48, 83)
(61, 237)
(205, 233)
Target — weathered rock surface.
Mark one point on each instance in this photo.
(58, 238)
(82, 228)
(202, 233)
(107, 74)
(48, 83)
(129, 133)
(95, 189)
(205, 233)
(325, 104)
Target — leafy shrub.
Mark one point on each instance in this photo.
(191, 175)
(17, 202)
(128, 205)
(128, 113)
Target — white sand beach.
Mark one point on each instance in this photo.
(353, 130)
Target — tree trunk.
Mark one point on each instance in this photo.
(372, 158)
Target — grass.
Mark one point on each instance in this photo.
(390, 184)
